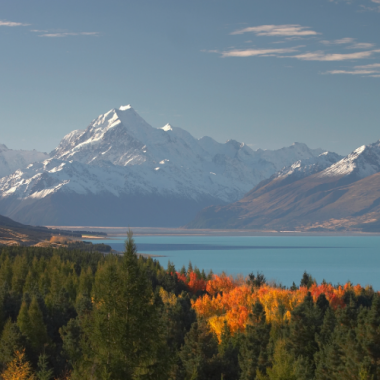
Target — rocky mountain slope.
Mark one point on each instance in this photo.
(11, 160)
(343, 195)
(121, 171)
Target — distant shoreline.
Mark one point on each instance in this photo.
(158, 231)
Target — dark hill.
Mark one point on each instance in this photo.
(14, 233)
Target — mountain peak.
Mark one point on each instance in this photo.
(125, 108)
(167, 127)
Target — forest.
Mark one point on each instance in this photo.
(74, 314)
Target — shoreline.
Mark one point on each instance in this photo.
(159, 231)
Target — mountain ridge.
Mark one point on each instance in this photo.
(308, 196)
(121, 160)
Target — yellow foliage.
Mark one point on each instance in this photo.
(168, 298)
(18, 369)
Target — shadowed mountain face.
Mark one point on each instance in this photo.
(343, 196)
(121, 171)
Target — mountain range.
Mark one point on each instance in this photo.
(11, 160)
(311, 195)
(121, 171)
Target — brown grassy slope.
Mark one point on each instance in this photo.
(310, 203)
(14, 233)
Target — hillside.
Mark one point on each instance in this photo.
(14, 233)
(343, 196)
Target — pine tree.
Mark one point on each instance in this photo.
(228, 353)
(20, 270)
(199, 354)
(23, 321)
(37, 334)
(10, 342)
(6, 271)
(284, 366)
(123, 336)
(253, 351)
(44, 373)
(302, 329)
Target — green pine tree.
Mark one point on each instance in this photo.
(44, 373)
(199, 355)
(253, 355)
(10, 342)
(123, 336)
(37, 334)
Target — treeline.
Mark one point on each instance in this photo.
(70, 314)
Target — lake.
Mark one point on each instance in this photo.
(336, 259)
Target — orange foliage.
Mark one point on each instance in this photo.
(194, 283)
(182, 277)
(231, 302)
(220, 283)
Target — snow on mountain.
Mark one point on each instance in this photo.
(309, 166)
(11, 160)
(119, 155)
(362, 162)
(170, 159)
(287, 156)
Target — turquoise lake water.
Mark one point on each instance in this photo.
(336, 259)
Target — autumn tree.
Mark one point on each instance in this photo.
(18, 369)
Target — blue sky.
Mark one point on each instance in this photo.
(263, 72)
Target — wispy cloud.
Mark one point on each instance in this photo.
(288, 30)
(372, 70)
(255, 52)
(351, 42)
(67, 34)
(322, 56)
(371, 66)
(338, 42)
(352, 72)
(12, 23)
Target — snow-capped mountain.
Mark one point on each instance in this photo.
(320, 193)
(11, 160)
(308, 166)
(362, 162)
(120, 171)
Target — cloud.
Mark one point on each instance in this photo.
(376, 1)
(371, 66)
(372, 70)
(66, 34)
(254, 52)
(352, 72)
(278, 30)
(322, 56)
(362, 45)
(354, 45)
(338, 42)
(12, 24)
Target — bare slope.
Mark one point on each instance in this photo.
(344, 196)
